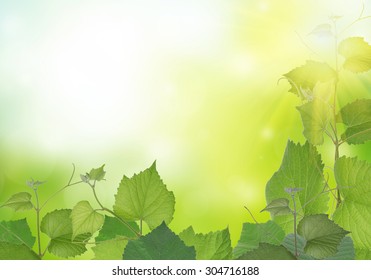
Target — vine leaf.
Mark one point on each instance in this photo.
(323, 236)
(357, 117)
(354, 213)
(315, 116)
(19, 202)
(301, 168)
(97, 174)
(289, 244)
(85, 219)
(322, 30)
(10, 251)
(253, 234)
(357, 54)
(113, 228)
(345, 250)
(160, 244)
(58, 226)
(268, 252)
(110, 249)
(211, 246)
(112, 239)
(144, 197)
(279, 206)
(16, 232)
(303, 79)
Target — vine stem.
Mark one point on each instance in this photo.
(295, 233)
(252, 216)
(37, 208)
(139, 234)
(336, 139)
(69, 184)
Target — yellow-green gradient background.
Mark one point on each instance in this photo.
(191, 84)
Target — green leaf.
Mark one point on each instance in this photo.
(58, 226)
(253, 234)
(315, 116)
(322, 30)
(145, 197)
(289, 244)
(301, 168)
(323, 236)
(345, 250)
(57, 223)
(353, 178)
(64, 247)
(113, 228)
(363, 254)
(19, 202)
(10, 251)
(279, 206)
(16, 232)
(303, 79)
(160, 244)
(110, 249)
(97, 174)
(357, 116)
(357, 54)
(268, 252)
(85, 219)
(211, 246)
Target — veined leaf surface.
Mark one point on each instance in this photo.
(354, 213)
(145, 197)
(58, 226)
(210, 246)
(160, 244)
(301, 168)
(357, 117)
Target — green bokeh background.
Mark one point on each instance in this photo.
(191, 84)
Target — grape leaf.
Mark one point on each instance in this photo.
(323, 236)
(315, 116)
(357, 116)
(64, 247)
(357, 54)
(145, 197)
(279, 206)
(10, 251)
(363, 254)
(301, 168)
(354, 213)
(289, 244)
(211, 246)
(345, 250)
(112, 228)
(19, 202)
(322, 30)
(16, 232)
(85, 219)
(110, 249)
(268, 252)
(160, 244)
(303, 79)
(97, 174)
(58, 226)
(253, 234)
